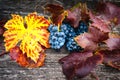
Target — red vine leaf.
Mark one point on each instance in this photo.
(17, 55)
(113, 43)
(77, 13)
(79, 64)
(58, 13)
(91, 40)
(85, 41)
(15, 52)
(109, 11)
(54, 8)
(99, 23)
(107, 16)
(74, 17)
(98, 36)
(76, 56)
(111, 58)
(85, 67)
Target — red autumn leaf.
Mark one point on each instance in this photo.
(109, 12)
(107, 15)
(85, 41)
(69, 70)
(74, 17)
(58, 13)
(76, 56)
(79, 64)
(99, 23)
(91, 40)
(98, 36)
(69, 63)
(85, 67)
(54, 8)
(76, 14)
(113, 43)
(15, 52)
(17, 55)
(111, 58)
(22, 60)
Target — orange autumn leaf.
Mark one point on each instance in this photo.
(17, 55)
(30, 33)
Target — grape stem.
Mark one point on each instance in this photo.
(58, 27)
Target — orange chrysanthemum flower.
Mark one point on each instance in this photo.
(30, 33)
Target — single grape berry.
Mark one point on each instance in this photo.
(52, 28)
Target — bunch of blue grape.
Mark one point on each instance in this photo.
(71, 44)
(57, 38)
(66, 34)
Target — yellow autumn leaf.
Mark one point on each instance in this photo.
(29, 32)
